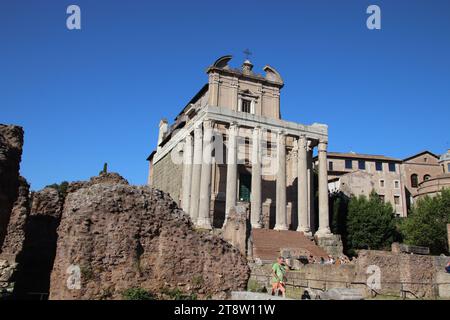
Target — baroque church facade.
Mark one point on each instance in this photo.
(229, 146)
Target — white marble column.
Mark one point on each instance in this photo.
(187, 173)
(256, 205)
(231, 189)
(311, 204)
(281, 215)
(302, 189)
(196, 172)
(324, 228)
(204, 218)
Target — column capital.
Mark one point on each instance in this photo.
(197, 128)
(302, 142)
(323, 145)
(189, 137)
(208, 124)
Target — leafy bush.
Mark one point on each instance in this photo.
(427, 221)
(137, 294)
(177, 294)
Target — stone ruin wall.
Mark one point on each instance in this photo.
(421, 276)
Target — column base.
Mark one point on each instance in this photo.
(306, 231)
(203, 223)
(323, 232)
(256, 225)
(281, 228)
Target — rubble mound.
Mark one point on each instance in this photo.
(114, 237)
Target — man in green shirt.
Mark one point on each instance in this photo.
(279, 277)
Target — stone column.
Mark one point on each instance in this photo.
(302, 199)
(196, 172)
(231, 190)
(256, 205)
(187, 173)
(324, 228)
(281, 217)
(204, 219)
(311, 204)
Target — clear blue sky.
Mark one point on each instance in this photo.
(96, 95)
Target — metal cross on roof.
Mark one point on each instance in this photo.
(247, 54)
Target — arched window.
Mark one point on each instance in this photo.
(426, 177)
(414, 181)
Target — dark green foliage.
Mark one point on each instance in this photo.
(105, 169)
(177, 294)
(137, 294)
(338, 215)
(371, 223)
(426, 223)
(61, 188)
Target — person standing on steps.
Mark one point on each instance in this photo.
(279, 277)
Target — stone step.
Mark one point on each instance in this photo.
(268, 243)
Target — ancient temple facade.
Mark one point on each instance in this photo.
(229, 146)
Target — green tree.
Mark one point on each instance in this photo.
(427, 221)
(370, 223)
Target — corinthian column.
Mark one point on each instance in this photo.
(302, 199)
(324, 228)
(281, 217)
(204, 219)
(311, 196)
(187, 172)
(196, 172)
(231, 189)
(255, 209)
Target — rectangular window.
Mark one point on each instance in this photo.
(397, 184)
(379, 166)
(269, 149)
(348, 164)
(448, 167)
(330, 166)
(246, 106)
(381, 196)
(361, 165)
(381, 183)
(396, 200)
(391, 167)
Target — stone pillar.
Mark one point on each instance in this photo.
(311, 204)
(302, 189)
(231, 190)
(256, 205)
(281, 216)
(204, 219)
(187, 173)
(324, 228)
(196, 172)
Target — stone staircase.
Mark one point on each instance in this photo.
(267, 244)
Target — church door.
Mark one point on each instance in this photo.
(245, 187)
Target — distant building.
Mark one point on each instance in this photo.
(358, 174)
(435, 183)
(399, 182)
(417, 169)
